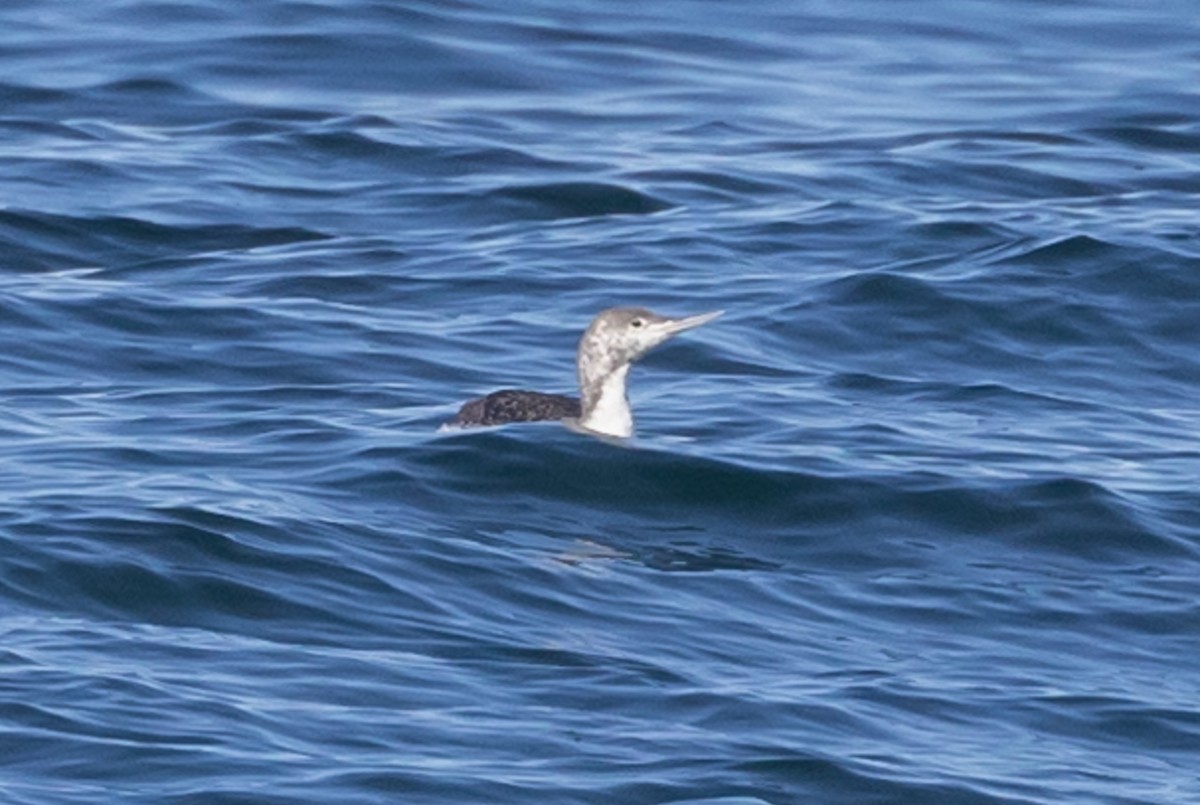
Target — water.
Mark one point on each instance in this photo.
(914, 522)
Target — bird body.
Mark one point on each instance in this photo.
(615, 339)
(515, 405)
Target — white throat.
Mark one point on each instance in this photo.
(607, 411)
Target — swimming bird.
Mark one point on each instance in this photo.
(612, 342)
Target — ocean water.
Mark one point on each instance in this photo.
(916, 521)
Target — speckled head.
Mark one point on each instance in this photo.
(616, 338)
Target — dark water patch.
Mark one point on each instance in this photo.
(147, 100)
(401, 62)
(22, 313)
(35, 242)
(152, 322)
(367, 288)
(14, 95)
(1182, 185)
(868, 288)
(1066, 516)
(101, 241)
(220, 797)
(576, 200)
(147, 88)
(973, 235)
(485, 462)
(992, 395)
(127, 590)
(1161, 139)
(1119, 269)
(168, 15)
(845, 783)
(1148, 294)
(262, 124)
(152, 239)
(1120, 721)
(985, 179)
(344, 144)
(36, 129)
(813, 229)
(269, 190)
(197, 569)
(894, 312)
(70, 172)
(683, 556)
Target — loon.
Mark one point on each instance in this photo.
(615, 339)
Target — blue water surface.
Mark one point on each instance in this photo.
(916, 521)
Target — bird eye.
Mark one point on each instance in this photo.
(636, 323)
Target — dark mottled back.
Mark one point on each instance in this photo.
(514, 405)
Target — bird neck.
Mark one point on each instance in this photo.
(605, 405)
